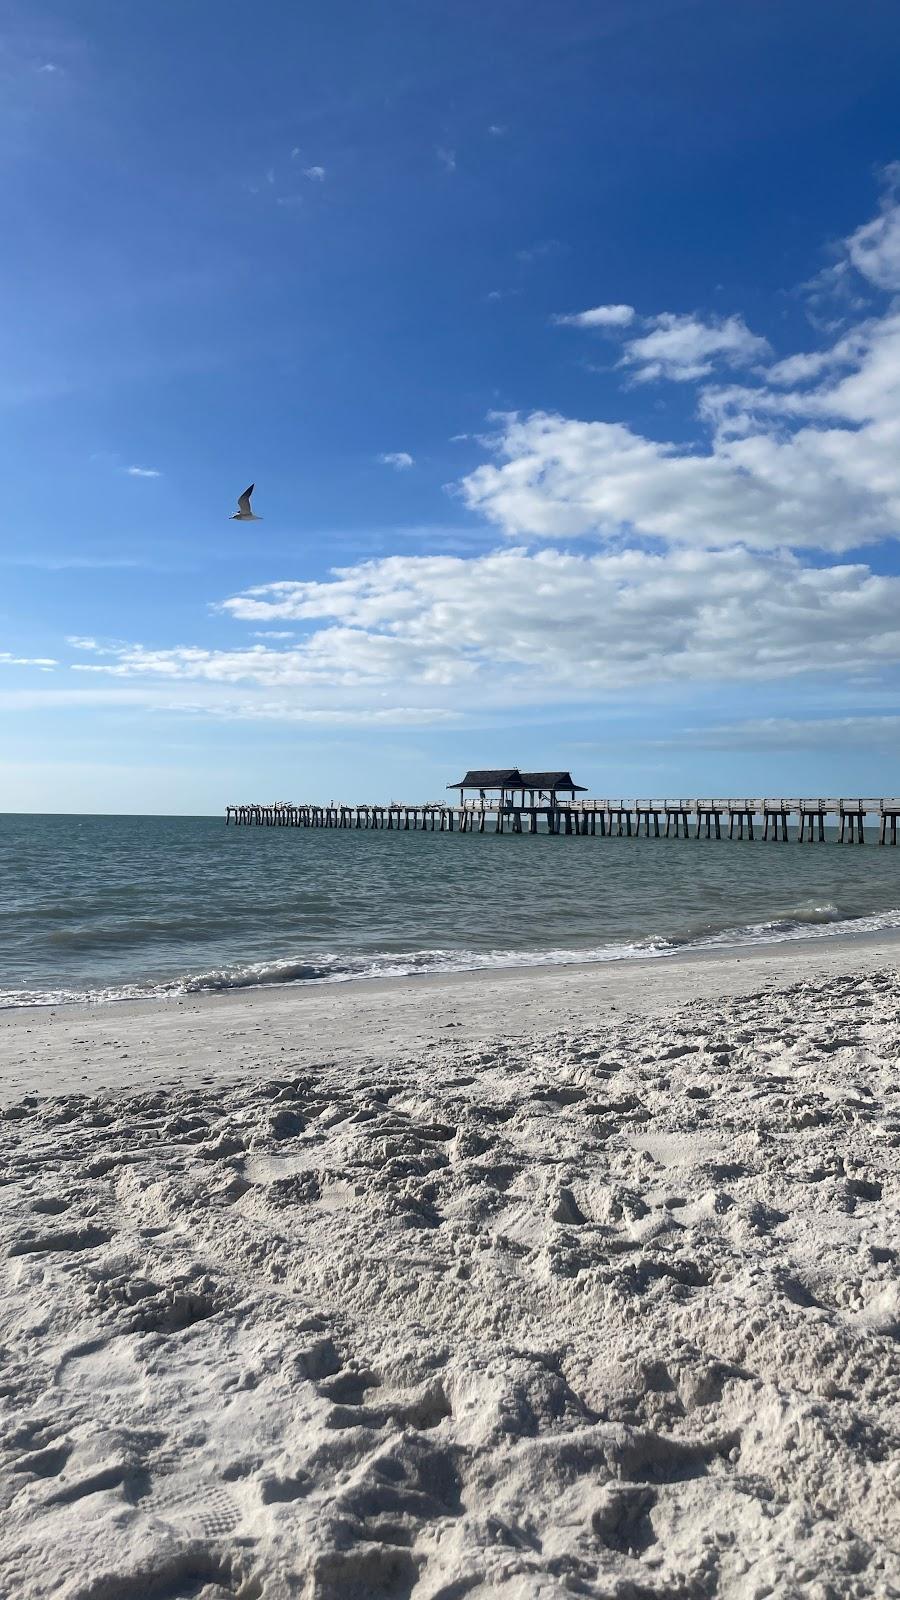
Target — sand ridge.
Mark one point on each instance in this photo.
(603, 1312)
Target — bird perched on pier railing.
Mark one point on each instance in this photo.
(244, 512)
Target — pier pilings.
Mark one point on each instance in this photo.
(583, 818)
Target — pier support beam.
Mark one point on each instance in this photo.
(739, 816)
(773, 818)
(852, 826)
(812, 823)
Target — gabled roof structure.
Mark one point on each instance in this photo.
(512, 778)
(490, 778)
(551, 780)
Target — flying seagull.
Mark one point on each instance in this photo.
(244, 513)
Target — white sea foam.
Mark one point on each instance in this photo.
(810, 921)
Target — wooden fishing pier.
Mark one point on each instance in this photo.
(524, 805)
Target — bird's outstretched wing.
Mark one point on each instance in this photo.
(244, 501)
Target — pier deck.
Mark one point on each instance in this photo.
(697, 818)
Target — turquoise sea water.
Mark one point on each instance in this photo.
(114, 907)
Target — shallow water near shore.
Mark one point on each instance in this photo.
(105, 908)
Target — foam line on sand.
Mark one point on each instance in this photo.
(605, 1307)
(210, 1038)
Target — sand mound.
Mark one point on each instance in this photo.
(604, 1315)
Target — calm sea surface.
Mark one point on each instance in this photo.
(106, 908)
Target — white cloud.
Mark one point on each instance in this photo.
(498, 129)
(316, 174)
(142, 472)
(8, 660)
(867, 397)
(684, 348)
(802, 368)
(597, 317)
(534, 629)
(815, 466)
(400, 460)
(681, 348)
(274, 633)
(597, 619)
(871, 254)
(285, 711)
(559, 478)
(874, 249)
(447, 158)
(98, 647)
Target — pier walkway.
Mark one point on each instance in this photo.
(696, 818)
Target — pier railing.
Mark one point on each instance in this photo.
(678, 817)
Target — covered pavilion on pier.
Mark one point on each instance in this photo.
(510, 781)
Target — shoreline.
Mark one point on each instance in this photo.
(530, 959)
(211, 1037)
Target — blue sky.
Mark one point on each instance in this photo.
(562, 343)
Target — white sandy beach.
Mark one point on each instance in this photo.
(573, 1281)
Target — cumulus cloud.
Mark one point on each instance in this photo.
(400, 460)
(539, 628)
(315, 174)
(557, 478)
(447, 158)
(142, 472)
(809, 459)
(684, 348)
(860, 389)
(678, 347)
(597, 317)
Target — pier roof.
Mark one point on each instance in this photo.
(489, 778)
(512, 778)
(551, 780)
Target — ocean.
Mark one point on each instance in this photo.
(108, 908)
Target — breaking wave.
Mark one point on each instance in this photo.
(809, 921)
